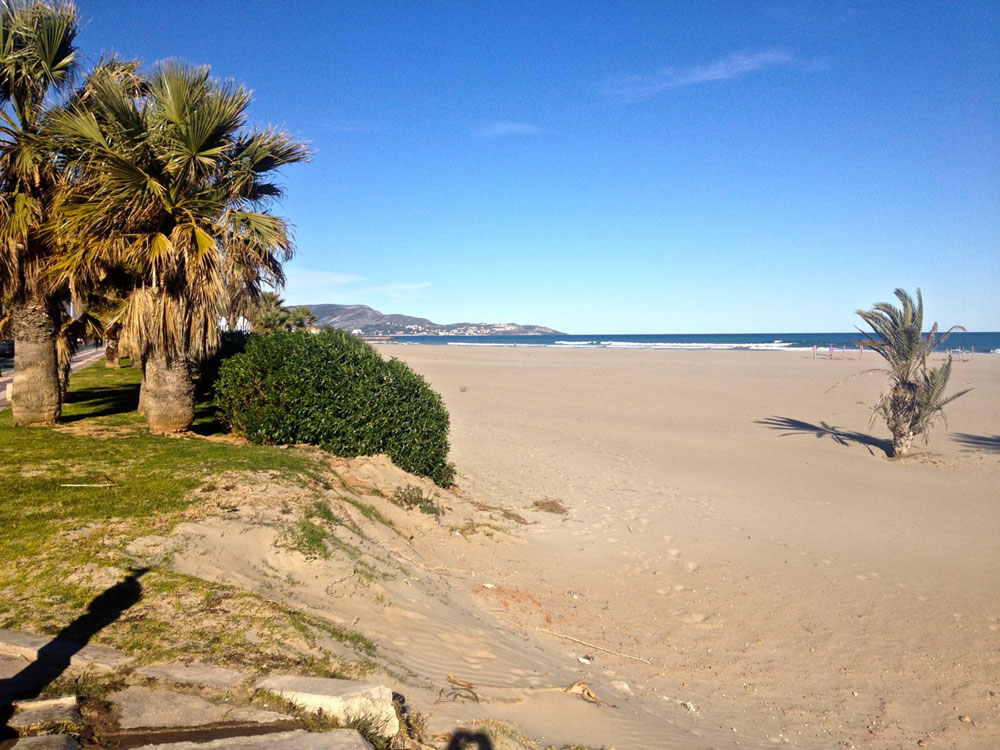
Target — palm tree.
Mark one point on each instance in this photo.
(169, 182)
(915, 396)
(37, 57)
(270, 315)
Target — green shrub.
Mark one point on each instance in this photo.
(333, 390)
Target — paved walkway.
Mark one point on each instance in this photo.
(80, 360)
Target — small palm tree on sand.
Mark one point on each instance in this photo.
(914, 397)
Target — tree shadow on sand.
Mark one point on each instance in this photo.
(824, 430)
(980, 442)
(55, 656)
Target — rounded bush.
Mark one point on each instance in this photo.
(333, 390)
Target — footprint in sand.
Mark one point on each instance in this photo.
(691, 567)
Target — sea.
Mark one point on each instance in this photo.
(964, 342)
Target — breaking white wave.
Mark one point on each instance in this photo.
(772, 346)
(507, 344)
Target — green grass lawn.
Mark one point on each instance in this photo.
(72, 497)
(103, 442)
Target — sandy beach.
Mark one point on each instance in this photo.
(714, 542)
(735, 525)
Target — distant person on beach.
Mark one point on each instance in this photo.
(831, 352)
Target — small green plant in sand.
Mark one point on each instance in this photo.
(323, 511)
(308, 538)
(312, 537)
(368, 511)
(412, 496)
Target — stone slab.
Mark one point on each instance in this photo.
(150, 708)
(340, 699)
(204, 675)
(42, 712)
(338, 739)
(41, 648)
(21, 678)
(11, 665)
(49, 742)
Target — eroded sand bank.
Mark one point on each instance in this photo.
(737, 525)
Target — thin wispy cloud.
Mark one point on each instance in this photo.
(637, 87)
(503, 127)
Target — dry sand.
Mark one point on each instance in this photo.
(739, 527)
(734, 533)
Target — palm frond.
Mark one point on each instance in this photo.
(915, 394)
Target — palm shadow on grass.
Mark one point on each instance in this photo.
(101, 401)
(980, 442)
(206, 421)
(824, 430)
(99, 392)
(55, 656)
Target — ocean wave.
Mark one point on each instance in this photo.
(504, 344)
(816, 343)
(776, 346)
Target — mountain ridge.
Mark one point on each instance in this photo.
(367, 321)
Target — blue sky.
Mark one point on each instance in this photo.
(629, 167)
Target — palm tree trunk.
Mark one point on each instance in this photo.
(901, 444)
(64, 373)
(36, 399)
(141, 409)
(167, 395)
(112, 355)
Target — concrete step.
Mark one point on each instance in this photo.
(154, 708)
(194, 673)
(47, 650)
(342, 699)
(45, 713)
(338, 739)
(48, 742)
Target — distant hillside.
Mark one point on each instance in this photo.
(365, 321)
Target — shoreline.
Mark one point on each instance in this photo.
(819, 344)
